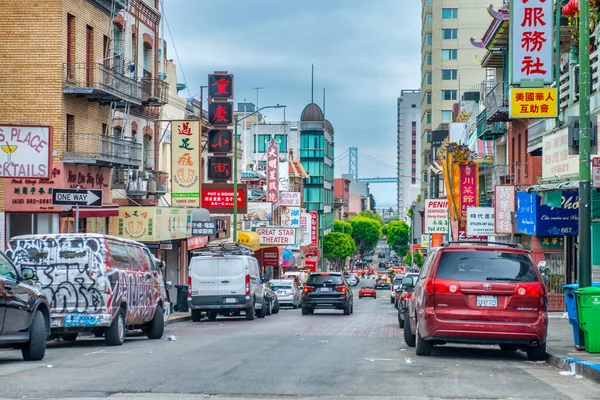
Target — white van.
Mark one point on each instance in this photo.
(226, 284)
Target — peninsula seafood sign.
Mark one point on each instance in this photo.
(25, 151)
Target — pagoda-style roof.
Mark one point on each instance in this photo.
(496, 37)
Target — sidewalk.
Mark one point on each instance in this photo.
(175, 317)
(562, 353)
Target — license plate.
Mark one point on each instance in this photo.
(487, 301)
(231, 300)
(280, 292)
(324, 289)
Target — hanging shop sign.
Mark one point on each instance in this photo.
(259, 211)
(596, 172)
(480, 221)
(533, 103)
(292, 199)
(218, 198)
(204, 228)
(290, 216)
(196, 242)
(531, 41)
(152, 224)
(219, 168)
(283, 236)
(26, 151)
(220, 141)
(185, 163)
(220, 86)
(436, 216)
(504, 203)
(220, 114)
(305, 223)
(273, 172)
(537, 219)
(314, 229)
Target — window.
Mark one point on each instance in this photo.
(488, 266)
(282, 139)
(260, 143)
(413, 106)
(449, 94)
(427, 58)
(446, 115)
(428, 97)
(450, 33)
(449, 74)
(449, 54)
(89, 55)
(428, 117)
(428, 78)
(70, 132)
(119, 256)
(428, 19)
(429, 3)
(70, 45)
(6, 268)
(449, 13)
(428, 39)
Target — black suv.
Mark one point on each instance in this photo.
(327, 290)
(24, 315)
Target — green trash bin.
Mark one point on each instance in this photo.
(588, 310)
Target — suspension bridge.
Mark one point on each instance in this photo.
(369, 166)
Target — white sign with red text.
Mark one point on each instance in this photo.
(436, 216)
(504, 202)
(283, 236)
(291, 199)
(25, 151)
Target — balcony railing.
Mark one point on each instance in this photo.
(98, 149)
(141, 182)
(101, 83)
(487, 130)
(496, 103)
(155, 91)
(107, 5)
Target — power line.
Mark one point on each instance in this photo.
(164, 15)
(373, 159)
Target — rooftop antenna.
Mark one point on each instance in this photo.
(323, 101)
(312, 82)
(257, 89)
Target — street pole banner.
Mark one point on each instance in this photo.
(185, 163)
(436, 216)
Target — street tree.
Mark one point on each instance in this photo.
(371, 215)
(366, 232)
(418, 259)
(342, 226)
(398, 236)
(337, 247)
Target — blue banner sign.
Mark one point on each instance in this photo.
(535, 218)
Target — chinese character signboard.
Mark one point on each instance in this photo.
(290, 216)
(314, 229)
(535, 218)
(196, 242)
(219, 168)
(273, 172)
(533, 103)
(283, 236)
(305, 220)
(218, 198)
(220, 114)
(219, 140)
(185, 163)
(289, 199)
(504, 203)
(469, 179)
(259, 211)
(220, 86)
(25, 151)
(596, 172)
(531, 26)
(204, 228)
(480, 221)
(556, 159)
(142, 223)
(552, 242)
(436, 216)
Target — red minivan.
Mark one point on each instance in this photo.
(481, 293)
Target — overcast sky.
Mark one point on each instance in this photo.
(364, 53)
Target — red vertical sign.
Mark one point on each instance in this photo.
(273, 172)
(469, 183)
(314, 229)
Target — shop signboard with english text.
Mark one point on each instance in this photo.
(537, 219)
(436, 216)
(480, 221)
(185, 163)
(274, 235)
(291, 199)
(25, 151)
(218, 198)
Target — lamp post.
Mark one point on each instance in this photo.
(235, 169)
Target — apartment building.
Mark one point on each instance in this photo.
(450, 66)
(408, 151)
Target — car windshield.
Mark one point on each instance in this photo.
(284, 287)
(322, 279)
(482, 266)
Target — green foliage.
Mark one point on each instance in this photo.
(337, 246)
(418, 259)
(366, 232)
(372, 202)
(410, 212)
(398, 236)
(418, 198)
(342, 226)
(371, 215)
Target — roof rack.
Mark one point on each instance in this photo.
(223, 248)
(513, 245)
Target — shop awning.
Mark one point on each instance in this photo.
(107, 210)
(249, 238)
(311, 263)
(548, 187)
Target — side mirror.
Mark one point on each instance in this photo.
(408, 282)
(28, 273)
(542, 264)
(398, 289)
(161, 265)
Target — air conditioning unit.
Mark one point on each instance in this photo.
(574, 131)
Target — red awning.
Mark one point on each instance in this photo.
(311, 263)
(108, 210)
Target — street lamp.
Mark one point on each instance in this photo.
(235, 169)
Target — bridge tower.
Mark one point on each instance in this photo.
(353, 162)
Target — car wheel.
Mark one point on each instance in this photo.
(360, 297)
(409, 338)
(156, 327)
(304, 311)
(250, 313)
(294, 305)
(423, 347)
(35, 349)
(509, 347)
(276, 307)
(115, 334)
(400, 320)
(347, 310)
(392, 300)
(262, 312)
(196, 315)
(212, 315)
(69, 337)
(269, 307)
(537, 353)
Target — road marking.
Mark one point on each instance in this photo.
(379, 359)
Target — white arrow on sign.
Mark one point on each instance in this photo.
(91, 198)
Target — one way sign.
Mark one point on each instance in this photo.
(77, 197)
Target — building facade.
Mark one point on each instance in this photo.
(408, 149)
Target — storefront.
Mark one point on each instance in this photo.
(270, 259)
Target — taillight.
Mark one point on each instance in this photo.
(247, 284)
(407, 296)
(340, 289)
(429, 285)
(189, 286)
(445, 286)
(530, 289)
(308, 289)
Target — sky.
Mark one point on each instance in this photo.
(364, 53)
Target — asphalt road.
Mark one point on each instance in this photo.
(284, 356)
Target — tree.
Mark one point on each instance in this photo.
(337, 247)
(398, 236)
(342, 226)
(372, 202)
(371, 215)
(366, 232)
(418, 259)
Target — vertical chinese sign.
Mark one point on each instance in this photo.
(469, 182)
(273, 172)
(531, 26)
(504, 203)
(220, 116)
(185, 163)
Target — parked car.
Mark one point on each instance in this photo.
(24, 311)
(327, 290)
(400, 290)
(271, 299)
(226, 281)
(395, 284)
(352, 279)
(381, 283)
(484, 294)
(96, 283)
(403, 295)
(287, 292)
(367, 291)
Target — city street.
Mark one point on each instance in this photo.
(287, 355)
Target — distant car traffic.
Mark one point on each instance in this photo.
(395, 284)
(327, 290)
(367, 291)
(287, 292)
(403, 296)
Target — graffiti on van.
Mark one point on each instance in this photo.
(78, 320)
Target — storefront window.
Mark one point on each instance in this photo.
(29, 223)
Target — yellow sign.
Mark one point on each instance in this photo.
(250, 239)
(185, 163)
(152, 224)
(533, 103)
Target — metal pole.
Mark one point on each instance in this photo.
(585, 231)
(77, 218)
(512, 227)
(235, 178)
(557, 58)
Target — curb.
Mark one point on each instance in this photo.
(182, 318)
(587, 369)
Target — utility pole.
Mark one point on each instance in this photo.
(585, 231)
(257, 89)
